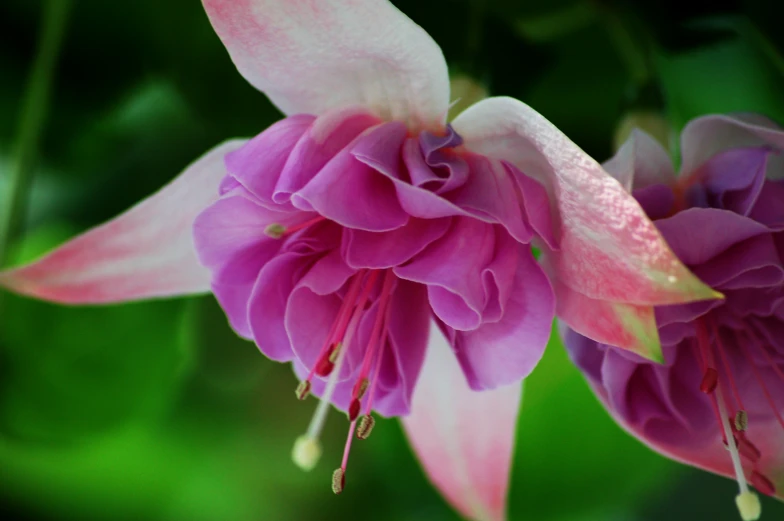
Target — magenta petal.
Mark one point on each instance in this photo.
(409, 325)
(266, 309)
(536, 205)
(506, 351)
(258, 164)
(641, 162)
(145, 252)
(734, 178)
(384, 250)
(704, 137)
(699, 234)
(328, 135)
(352, 194)
(491, 191)
(451, 267)
(464, 439)
(232, 229)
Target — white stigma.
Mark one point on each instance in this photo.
(749, 506)
(306, 452)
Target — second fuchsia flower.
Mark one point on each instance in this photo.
(718, 402)
(362, 235)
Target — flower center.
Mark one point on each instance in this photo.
(718, 382)
(330, 362)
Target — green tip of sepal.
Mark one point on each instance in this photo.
(640, 325)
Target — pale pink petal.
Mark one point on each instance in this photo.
(309, 56)
(463, 438)
(609, 249)
(640, 162)
(704, 137)
(145, 252)
(614, 323)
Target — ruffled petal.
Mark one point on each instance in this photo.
(640, 162)
(464, 439)
(609, 248)
(352, 194)
(504, 352)
(384, 250)
(146, 252)
(451, 268)
(704, 137)
(310, 57)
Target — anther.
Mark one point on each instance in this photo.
(353, 409)
(303, 390)
(748, 505)
(741, 420)
(306, 452)
(762, 484)
(275, 230)
(360, 387)
(324, 367)
(338, 480)
(709, 380)
(333, 355)
(748, 450)
(365, 426)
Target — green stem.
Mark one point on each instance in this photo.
(35, 107)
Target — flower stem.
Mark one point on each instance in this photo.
(35, 107)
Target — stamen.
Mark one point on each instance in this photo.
(761, 344)
(306, 452)
(761, 382)
(741, 421)
(748, 505)
(709, 380)
(303, 390)
(727, 366)
(748, 449)
(333, 354)
(744, 500)
(762, 484)
(366, 424)
(317, 422)
(360, 387)
(353, 410)
(324, 366)
(343, 315)
(275, 230)
(338, 481)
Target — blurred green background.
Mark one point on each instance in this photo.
(157, 411)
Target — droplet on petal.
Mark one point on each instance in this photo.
(338, 481)
(306, 452)
(749, 506)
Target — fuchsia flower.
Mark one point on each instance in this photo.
(361, 235)
(718, 402)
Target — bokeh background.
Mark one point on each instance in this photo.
(157, 411)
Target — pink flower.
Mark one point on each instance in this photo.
(718, 403)
(379, 249)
